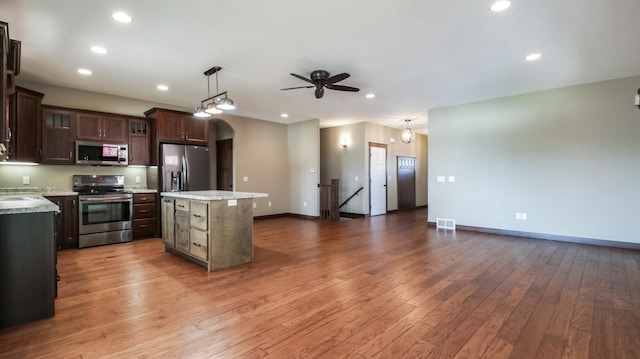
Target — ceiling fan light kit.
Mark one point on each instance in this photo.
(321, 79)
(407, 135)
(216, 103)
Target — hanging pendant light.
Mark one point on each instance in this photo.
(212, 109)
(226, 104)
(216, 103)
(407, 135)
(199, 112)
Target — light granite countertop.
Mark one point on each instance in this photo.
(213, 195)
(38, 191)
(135, 190)
(15, 204)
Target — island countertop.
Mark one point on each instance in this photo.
(213, 195)
(14, 204)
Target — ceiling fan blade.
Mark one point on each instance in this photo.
(298, 87)
(336, 78)
(319, 91)
(302, 78)
(343, 88)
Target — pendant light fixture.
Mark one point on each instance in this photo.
(407, 135)
(216, 103)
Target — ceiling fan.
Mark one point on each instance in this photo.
(320, 79)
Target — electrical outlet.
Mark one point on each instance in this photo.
(254, 205)
(137, 179)
(269, 204)
(26, 180)
(304, 204)
(245, 179)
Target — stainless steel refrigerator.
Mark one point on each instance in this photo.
(185, 168)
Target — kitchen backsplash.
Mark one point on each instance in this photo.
(60, 176)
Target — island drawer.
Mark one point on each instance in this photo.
(199, 215)
(198, 245)
(182, 205)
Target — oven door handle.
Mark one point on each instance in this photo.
(106, 199)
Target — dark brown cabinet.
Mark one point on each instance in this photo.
(144, 215)
(92, 126)
(4, 86)
(195, 129)
(179, 127)
(25, 112)
(139, 144)
(66, 221)
(58, 135)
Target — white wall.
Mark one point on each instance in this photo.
(569, 158)
(304, 167)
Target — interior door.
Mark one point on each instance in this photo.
(377, 179)
(224, 165)
(406, 183)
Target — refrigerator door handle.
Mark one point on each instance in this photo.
(185, 174)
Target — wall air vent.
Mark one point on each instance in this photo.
(445, 223)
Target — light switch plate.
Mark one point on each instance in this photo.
(440, 179)
(245, 179)
(26, 180)
(232, 202)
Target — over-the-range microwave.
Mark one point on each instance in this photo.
(100, 153)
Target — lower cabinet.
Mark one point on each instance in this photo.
(168, 223)
(144, 215)
(191, 223)
(66, 221)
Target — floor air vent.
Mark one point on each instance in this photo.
(445, 223)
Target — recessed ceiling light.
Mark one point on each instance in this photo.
(370, 95)
(98, 49)
(121, 17)
(533, 57)
(84, 72)
(162, 87)
(500, 5)
(284, 115)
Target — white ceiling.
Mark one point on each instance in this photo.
(414, 55)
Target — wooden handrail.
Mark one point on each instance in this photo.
(353, 195)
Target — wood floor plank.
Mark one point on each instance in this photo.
(377, 287)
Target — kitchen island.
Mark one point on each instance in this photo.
(27, 259)
(211, 228)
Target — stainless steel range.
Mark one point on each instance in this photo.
(105, 210)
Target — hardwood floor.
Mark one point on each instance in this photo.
(381, 287)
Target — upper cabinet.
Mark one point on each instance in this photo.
(9, 69)
(139, 142)
(25, 134)
(92, 126)
(58, 135)
(4, 90)
(179, 127)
